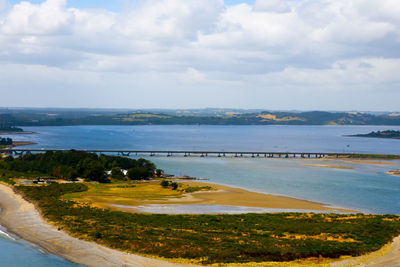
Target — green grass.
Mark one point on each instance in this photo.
(211, 239)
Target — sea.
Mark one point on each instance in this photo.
(364, 187)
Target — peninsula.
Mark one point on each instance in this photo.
(86, 210)
(389, 134)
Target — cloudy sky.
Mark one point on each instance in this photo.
(270, 54)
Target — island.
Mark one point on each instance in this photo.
(83, 197)
(389, 134)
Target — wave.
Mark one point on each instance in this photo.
(4, 233)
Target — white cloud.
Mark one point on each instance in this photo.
(271, 5)
(191, 47)
(49, 17)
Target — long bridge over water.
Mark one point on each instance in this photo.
(186, 153)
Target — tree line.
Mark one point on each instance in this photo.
(73, 164)
(6, 141)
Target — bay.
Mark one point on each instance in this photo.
(364, 188)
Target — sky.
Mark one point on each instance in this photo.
(264, 54)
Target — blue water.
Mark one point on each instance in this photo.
(364, 188)
(207, 209)
(257, 138)
(19, 253)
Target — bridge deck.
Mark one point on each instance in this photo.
(186, 153)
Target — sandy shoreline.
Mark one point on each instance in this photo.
(21, 218)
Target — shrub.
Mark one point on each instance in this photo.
(164, 183)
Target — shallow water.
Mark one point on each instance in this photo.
(189, 137)
(365, 188)
(207, 209)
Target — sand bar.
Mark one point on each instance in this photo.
(226, 195)
(21, 218)
(394, 172)
(326, 166)
(22, 143)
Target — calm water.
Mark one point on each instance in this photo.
(257, 138)
(18, 253)
(365, 187)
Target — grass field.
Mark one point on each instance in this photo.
(130, 193)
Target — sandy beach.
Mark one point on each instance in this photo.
(21, 218)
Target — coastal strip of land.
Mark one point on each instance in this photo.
(21, 218)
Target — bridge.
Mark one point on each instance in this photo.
(185, 153)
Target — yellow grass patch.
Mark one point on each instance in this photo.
(322, 236)
(106, 195)
(270, 117)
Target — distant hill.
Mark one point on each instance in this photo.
(391, 134)
(61, 117)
